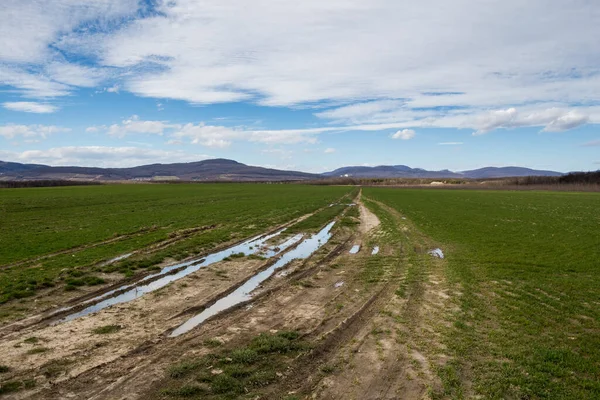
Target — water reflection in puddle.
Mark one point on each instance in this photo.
(164, 277)
(375, 250)
(118, 258)
(437, 253)
(355, 249)
(242, 293)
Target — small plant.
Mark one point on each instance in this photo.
(38, 350)
(4, 369)
(244, 356)
(107, 329)
(10, 387)
(186, 391)
(327, 368)
(31, 340)
(212, 343)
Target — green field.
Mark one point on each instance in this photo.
(528, 267)
(520, 316)
(38, 222)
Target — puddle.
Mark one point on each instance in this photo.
(375, 250)
(339, 284)
(118, 258)
(355, 249)
(243, 293)
(164, 277)
(437, 253)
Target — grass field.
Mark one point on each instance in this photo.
(95, 223)
(511, 312)
(527, 265)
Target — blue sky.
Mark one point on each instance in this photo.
(306, 85)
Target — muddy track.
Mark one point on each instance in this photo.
(329, 343)
(146, 362)
(74, 305)
(129, 373)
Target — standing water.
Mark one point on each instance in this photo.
(133, 291)
(355, 249)
(241, 294)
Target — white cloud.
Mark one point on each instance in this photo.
(75, 75)
(449, 64)
(221, 136)
(207, 135)
(113, 89)
(11, 131)
(592, 143)
(553, 120)
(404, 134)
(360, 111)
(32, 107)
(134, 125)
(32, 84)
(329, 150)
(29, 26)
(100, 156)
(570, 120)
(500, 54)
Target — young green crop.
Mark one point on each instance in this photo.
(527, 266)
(95, 223)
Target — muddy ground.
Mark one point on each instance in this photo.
(374, 323)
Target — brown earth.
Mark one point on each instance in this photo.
(374, 322)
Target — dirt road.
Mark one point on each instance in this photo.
(373, 323)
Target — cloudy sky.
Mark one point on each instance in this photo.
(310, 85)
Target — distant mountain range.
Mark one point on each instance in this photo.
(403, 171)
(229, 170)
(207, 170)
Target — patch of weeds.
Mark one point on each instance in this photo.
(31, 340)
(244, 356)
(256, 257)
(29, 383)
(4, 369)
(240, 370)
(328, 368)
(185, 391)
(107, 329)
(182, 369)
(339, 306)
(262, 378)
(305, 283)
(93, 281)
(451, 382)
(10, 387)
(222, 384)
(38, 350)
(55, 368)
(349, 222)
(221, 273)
(234, 256)
(212, 343)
